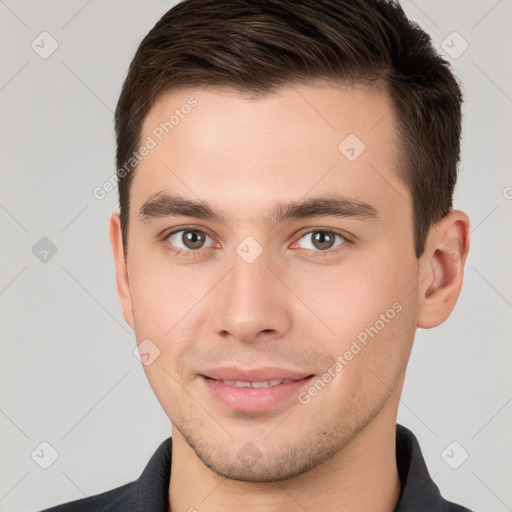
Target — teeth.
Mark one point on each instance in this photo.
(263, 384)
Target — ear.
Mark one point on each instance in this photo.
(442, 268)
(123, 285)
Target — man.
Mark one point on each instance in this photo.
(286, 172)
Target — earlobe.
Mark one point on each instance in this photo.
(120, 261)
(442, 269)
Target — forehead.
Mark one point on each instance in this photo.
(220, 146)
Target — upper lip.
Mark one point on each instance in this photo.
(254, 374)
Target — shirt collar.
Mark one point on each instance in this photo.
(419, 492)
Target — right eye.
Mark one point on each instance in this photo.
(187, 240)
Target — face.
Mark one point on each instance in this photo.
(279, 315)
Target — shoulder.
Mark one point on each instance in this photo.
(114, 500)
(149, 493)
(418, 490)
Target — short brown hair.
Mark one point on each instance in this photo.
(254, 46)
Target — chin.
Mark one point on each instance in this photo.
(282, 461)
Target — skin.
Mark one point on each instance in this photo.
(296, 306)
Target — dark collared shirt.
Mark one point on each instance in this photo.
(150, 493)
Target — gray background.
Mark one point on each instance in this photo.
(68, 374)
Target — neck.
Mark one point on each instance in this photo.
(361, 477)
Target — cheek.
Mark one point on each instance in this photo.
(371, 311)
(164, 294)
(374, 316)
(351, 296)
(163, 300)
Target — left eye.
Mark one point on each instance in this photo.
(321, 240)
(190, 239)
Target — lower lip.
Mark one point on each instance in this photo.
(254, 399)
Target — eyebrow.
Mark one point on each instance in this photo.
(162, 205)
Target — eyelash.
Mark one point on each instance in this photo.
(192, 253)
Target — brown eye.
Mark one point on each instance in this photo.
(321, 240)
(188, 239)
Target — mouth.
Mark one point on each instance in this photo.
(254, 390)
(261, 384)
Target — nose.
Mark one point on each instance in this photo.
(251, 302)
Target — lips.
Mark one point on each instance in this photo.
(256, 389)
